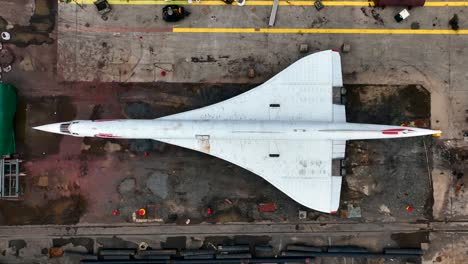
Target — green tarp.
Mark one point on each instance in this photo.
(7, 115)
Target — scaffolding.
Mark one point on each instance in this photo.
(10, 178)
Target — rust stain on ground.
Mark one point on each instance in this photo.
(116, 29)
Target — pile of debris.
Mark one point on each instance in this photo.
(7, 57)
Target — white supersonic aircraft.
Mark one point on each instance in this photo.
(286, 130)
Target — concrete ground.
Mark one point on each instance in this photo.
(61, 71)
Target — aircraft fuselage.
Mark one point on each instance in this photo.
(230, 129)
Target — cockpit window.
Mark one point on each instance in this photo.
(64, 128)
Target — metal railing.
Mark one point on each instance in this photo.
(9, 178)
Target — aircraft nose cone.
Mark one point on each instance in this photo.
(426, 132)
(436, 133)
(51, 128)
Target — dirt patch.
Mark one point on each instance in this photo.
(233, 214)
(392, 173)
(40, 111)
(17, 245)
(64, 211)
(112, 147)
(42, 23)
(446, 248)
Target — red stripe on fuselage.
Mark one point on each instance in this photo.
(395, 131)
(390, 132)
(106, 136)
(104, 120)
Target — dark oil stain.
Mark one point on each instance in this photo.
(87, 243)
(377, 17)
(174, 243)
(138, 110)
(237, 240)
(175, 98)
(65, 108)
(17, 244)
(101, 64)
(410, 240)
(208, 58)
(83, 165)
(97, 112)
(141, 145)
(428, 205)
(364, 11)
(403, 103)
(115, 242)
(415, 100)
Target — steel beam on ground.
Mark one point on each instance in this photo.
(274, 10)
